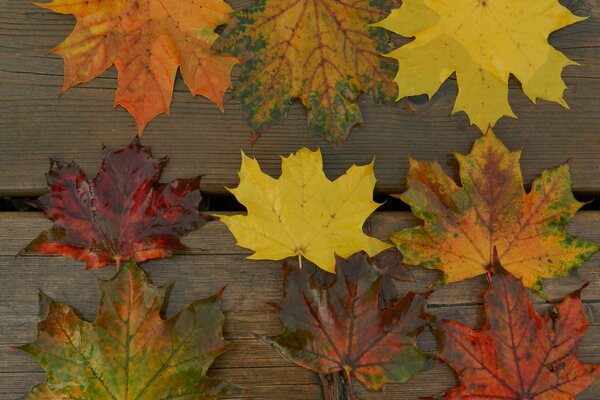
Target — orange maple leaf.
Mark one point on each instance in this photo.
(147, 41)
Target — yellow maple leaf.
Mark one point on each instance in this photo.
(483, 41)
(491, 210)
(303, 213)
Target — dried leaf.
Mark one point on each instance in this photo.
(147, 41)
(483, 41)
(122, 212)
(389, 263)
(303, 213)
(321, 52)
(341, 328)
(519, 355)
(129, 351)
(463, 224)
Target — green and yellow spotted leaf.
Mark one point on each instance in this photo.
(320, 51)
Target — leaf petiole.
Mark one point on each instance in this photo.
(351, 391)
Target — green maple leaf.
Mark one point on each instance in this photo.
(129, 351)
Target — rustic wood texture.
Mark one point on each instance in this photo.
(39, 122)
(212, 261)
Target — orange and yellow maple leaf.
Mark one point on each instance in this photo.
(491, 210)
(147, 41)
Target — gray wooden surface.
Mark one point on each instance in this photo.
(213, 260)
(37, 122)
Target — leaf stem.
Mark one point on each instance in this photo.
(334, 386)
(300, 261)
(351, 391)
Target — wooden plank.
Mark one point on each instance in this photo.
(213, 261)
(428, 383)
(19, 228)
(262, 371)
(215, 240)
(38, 122)
(249, 285)
(250, 364)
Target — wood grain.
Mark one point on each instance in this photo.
(215, 240)
(213, 261)
(38, 122)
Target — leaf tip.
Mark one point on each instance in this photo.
(219, 294)
(274, 305)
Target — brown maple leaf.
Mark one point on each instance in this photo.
(519, 355)
(320, 51)
(147, 41)
(342, 326)
(122, 212)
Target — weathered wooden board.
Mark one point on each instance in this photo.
(38, 122)
(213, 261)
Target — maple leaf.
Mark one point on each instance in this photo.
(491, 210)
(519, 355)
(129, 351)
(339, 327)
(122, 212)
(303, 213)
(389, 263)
(147, 42)
(321, 52)
(483, 41)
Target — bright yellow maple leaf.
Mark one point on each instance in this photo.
(483, 41)
(303, 213)
(491, 210)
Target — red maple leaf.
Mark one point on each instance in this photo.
(342, 326)
(519, 355)
(123, 212)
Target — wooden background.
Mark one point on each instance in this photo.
(38, 122)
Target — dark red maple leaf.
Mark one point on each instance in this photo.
(123, 212)
(519, 355)
(339, 327)
(388, 263)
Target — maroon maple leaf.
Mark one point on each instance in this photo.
(519, 355)
(123, 212)
(340, 326)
